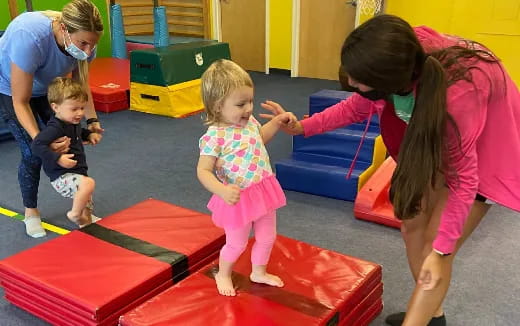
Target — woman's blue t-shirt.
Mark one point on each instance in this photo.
(29, 43)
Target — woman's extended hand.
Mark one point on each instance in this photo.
(433, 269)
(94, 138)
(287, 120)
(95, 127)
(60, 145)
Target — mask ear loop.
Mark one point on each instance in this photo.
(64, 31)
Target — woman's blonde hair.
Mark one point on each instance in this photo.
(63, 88)
(220, 79)
(79, 15)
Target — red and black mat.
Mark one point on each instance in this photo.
(94, 275)
(322, 287)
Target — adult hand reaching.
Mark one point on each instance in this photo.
(93, 139)
(433, 270)
(95, 127)
(60, 145)
(288, 121)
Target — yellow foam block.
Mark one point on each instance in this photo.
(176, 101)
(378, 157)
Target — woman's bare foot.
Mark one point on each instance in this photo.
(80, 220)
(266, 278)
(225, 285)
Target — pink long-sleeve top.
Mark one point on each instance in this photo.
(487, 113)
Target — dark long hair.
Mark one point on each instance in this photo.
(384, 53)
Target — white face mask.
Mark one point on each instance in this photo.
(73, 50)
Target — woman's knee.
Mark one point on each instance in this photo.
(413, 227)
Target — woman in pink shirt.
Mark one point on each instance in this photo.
(450, 117)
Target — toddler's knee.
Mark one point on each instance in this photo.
(237, 248)
(231, 252)
(266, 239)
(88, 183)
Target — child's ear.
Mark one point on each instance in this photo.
(217, 107)
(54, 107)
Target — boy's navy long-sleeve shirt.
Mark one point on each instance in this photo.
(54, 130)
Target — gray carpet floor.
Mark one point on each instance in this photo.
(144, 156)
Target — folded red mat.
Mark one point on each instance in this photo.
(322, 287)
(102, 269)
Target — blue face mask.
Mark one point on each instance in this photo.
(73, 50)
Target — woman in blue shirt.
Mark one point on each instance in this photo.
(35, 48)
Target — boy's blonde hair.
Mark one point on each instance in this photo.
(62, 88)
(220, 79)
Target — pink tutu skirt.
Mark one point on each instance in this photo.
(255, 201)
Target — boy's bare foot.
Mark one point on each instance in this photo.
(225, 285)
(80, 220)
(87, 217)
(266, 278)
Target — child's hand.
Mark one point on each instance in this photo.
(273, 107)
(94, 138)
(66, 161)
(230, 194)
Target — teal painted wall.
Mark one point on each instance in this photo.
(104, 49)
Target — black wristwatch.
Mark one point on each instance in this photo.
(92, 120)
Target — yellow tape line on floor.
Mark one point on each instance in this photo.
(47, 226)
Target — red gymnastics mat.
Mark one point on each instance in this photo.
(373, 202)
(322, 287)
(109, 80)
(94, 275)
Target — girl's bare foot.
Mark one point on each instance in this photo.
(225, 285)
(266, 278)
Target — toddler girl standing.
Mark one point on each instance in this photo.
(234, 166)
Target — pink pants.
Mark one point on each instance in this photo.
(265, 235)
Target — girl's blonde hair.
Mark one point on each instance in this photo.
(220, 79)
(63, 88)
(79, 15)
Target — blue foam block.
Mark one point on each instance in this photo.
(321, 100)
(325, 98)
(117, 30)
(341, 143)
(319, 164)
(161, 35)
(318, 179)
